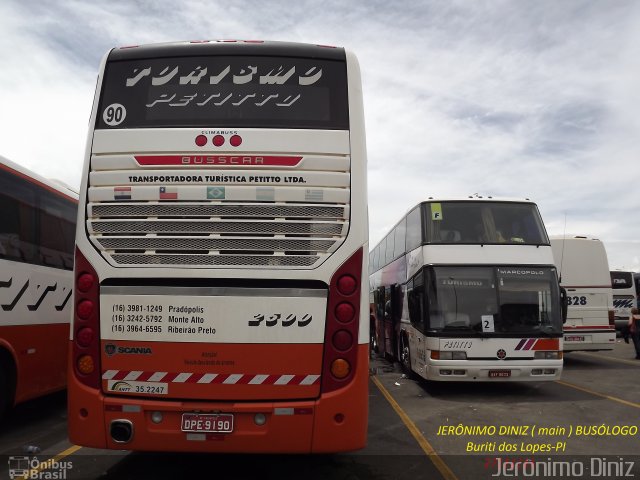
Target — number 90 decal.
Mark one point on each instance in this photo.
(114, 114)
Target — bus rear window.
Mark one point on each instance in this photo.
(621, 280)
(225, 91)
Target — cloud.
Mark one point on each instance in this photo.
(518, 99)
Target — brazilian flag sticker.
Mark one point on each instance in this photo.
(215, 193)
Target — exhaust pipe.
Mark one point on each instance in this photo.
(121, 431)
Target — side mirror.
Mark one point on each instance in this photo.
(564, 303)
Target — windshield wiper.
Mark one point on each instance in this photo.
(458, 327)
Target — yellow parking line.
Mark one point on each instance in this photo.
(608, 397)
(424, 444)
(47, 464)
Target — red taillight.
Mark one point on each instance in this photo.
(345, 312)
(86, 322)
(201, 140)
(84, 309)
(612, 318)
(341, 332)
(342, 340)
(235, 140)
(85, 282)
(347, 285)
(84, 336)
(218, 140)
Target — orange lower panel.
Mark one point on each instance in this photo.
(247, 362)
(335, 422)
(40, 353)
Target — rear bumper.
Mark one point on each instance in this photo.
(335, 422)
(588, 340)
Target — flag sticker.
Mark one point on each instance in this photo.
(436, 211)
(215, 193)
(168, 193)
(122, 193)
(313, 195)
(267, 194)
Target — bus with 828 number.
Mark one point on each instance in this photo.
(219, 273)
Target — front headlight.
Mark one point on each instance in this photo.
(451, 356)
(548, 355)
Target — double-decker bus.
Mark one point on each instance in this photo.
(37, 231)
(220, 300)
(583, 270)
(468, 291)
(624, 296)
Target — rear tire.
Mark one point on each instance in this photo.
(373, 341)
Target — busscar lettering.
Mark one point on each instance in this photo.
(218, 160)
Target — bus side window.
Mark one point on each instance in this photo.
(416, 302)
(414, 229)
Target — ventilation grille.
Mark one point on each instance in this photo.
(208, 243)
(238, 210)
(216, 260)
(217, 234)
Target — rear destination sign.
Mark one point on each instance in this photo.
(228, 319)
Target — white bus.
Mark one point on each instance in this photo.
(221, 300)
(471, 292)
(583, 269)
(37, 231)
(624, 296)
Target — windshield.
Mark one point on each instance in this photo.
(484, 223)
(494, 300)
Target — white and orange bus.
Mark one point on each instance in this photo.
(37, 231)
(221, 286)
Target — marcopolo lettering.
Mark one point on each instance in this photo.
(504, 271)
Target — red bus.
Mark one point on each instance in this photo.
(37, 231)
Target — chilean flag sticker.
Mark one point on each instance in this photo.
(168, 193)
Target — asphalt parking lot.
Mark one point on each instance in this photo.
(587, 423)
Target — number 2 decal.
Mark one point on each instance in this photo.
(114, 114)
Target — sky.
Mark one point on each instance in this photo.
(511, 98)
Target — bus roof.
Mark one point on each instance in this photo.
(472, 198)
(227, 47)
(580, 260)
(49, 184)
